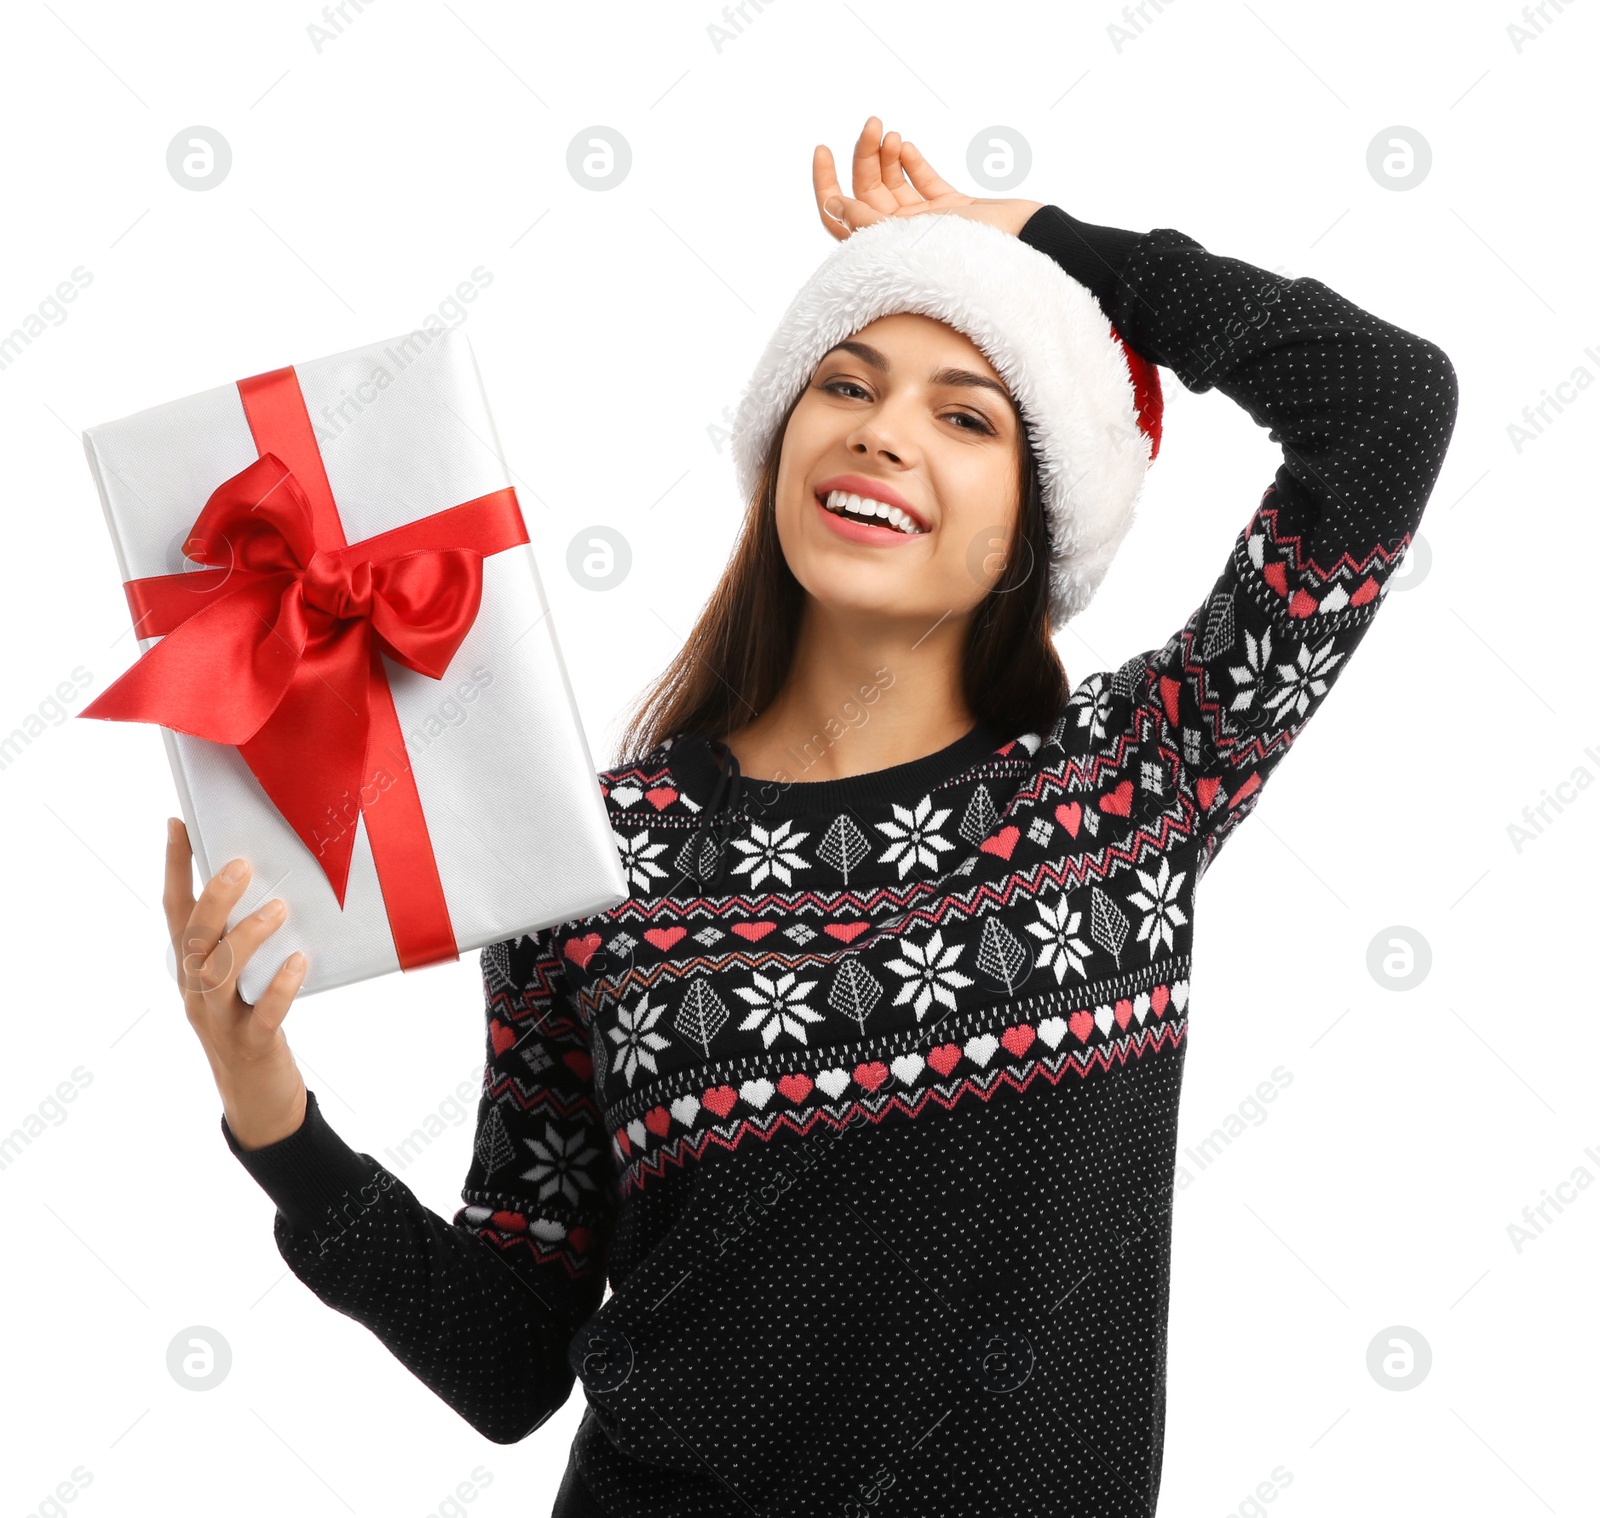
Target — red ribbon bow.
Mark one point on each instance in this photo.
(284, 638)
(276, 648)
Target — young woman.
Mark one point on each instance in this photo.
(865, 1100)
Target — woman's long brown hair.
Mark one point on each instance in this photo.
(738, 656)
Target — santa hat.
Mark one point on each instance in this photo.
(1091, 405)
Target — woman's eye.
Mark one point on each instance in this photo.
(971, 420)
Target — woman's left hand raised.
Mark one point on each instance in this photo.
(891, 178)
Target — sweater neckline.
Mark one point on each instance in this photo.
(694, 759)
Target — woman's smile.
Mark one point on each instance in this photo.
(849, 524)
(867, 511)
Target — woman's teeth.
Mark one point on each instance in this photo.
(864, 506)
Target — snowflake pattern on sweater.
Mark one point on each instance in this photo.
(952, 949)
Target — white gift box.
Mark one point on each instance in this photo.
(512, 803)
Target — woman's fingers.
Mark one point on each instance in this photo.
(866, 169)
(276, 1000)
(825, 182)
(890, 178)
(889, 166)
(201, 934)
(232, 953)
(177, 896)
(840, 214)
(922, 175)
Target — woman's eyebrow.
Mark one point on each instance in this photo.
(967, 377)
(947, 376)
(864, 351)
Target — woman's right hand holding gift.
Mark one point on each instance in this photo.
(263, 1095)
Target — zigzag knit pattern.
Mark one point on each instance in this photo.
(859, 1087)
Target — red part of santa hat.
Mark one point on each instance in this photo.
(1146, 380)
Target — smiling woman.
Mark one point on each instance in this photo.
(900, 409)
(865, 1100)
(941, 362)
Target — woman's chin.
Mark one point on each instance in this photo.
(868, 594)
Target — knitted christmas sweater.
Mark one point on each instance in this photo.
(865, 1100)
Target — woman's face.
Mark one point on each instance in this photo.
(909, 412)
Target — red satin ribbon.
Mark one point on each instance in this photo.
(277, 649)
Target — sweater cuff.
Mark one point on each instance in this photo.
(312, 1174)
(1094, 256)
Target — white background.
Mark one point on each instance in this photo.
(372, 177)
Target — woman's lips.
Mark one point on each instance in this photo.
(859, 530)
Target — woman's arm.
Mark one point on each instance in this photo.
(1364, 412)
(480, 1309)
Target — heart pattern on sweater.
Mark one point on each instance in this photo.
(1118, 802)
(1003, 843)
(846, 932)
(980, 1050)
(686, 1109)
(757, 1092)
(581, 950)
(632, 1140)
(1017, 1040)
(664, 938)
(720, 1099)
(796, 1086)
(1052, 1030)
(907, 1067)
(872, 1074)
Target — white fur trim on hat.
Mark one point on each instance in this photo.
(1043, 332)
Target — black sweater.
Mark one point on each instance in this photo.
(865, 1100)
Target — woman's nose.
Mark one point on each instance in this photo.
(868, 441)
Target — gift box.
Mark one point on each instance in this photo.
(347, 646)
